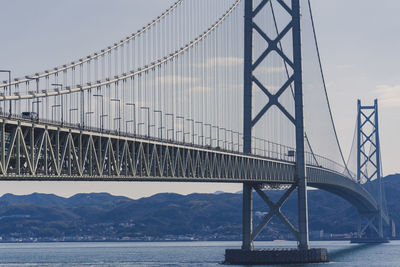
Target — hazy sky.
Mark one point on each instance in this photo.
(359, 45)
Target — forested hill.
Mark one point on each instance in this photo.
(166, 216)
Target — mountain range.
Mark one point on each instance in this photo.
(167, 216)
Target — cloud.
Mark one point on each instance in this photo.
(389, 95)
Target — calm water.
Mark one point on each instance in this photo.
(178, 253)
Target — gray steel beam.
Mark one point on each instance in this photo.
(378, 171)
(300, 154)
(248, 73)
(358, 140)
(247, 243)
(247, 215)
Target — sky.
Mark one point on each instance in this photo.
(359, 46)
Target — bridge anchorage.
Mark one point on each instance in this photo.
(369, 173)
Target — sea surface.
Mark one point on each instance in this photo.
(341, 253)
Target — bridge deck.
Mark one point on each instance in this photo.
(61, 153)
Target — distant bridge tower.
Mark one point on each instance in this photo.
(369, 163)
(250, 120)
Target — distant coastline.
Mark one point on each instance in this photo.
(167, 217)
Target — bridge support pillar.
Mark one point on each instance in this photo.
(247, 243)
(370, 229)
(368, 232)
(275, 256)
(300, 135)
(247, 217)
(247, 254)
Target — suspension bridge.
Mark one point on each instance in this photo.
(209, 91)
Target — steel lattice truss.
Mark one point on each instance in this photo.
(73, 154)
(62, 153)
(369, 165)
(368, 143)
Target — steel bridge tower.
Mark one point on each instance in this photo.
(249, 122)
(369, 167)
(294, 80)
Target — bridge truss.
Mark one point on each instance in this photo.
(74, 154)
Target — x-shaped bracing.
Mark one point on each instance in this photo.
(264, 2)
(369, 224)
(273, 100)
(275, 210)
(368, 119)
(368, 139)
(273, 45)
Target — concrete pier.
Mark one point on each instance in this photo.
(275, 256)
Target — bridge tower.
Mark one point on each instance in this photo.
(249, 123)
(294, 81)
(368, 169)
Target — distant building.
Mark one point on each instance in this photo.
(393, 229)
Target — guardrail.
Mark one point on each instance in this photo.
(268, 149)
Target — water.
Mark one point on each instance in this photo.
(179, 253)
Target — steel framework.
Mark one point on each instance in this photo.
(38, 151)
(369, 163)
(294, 80)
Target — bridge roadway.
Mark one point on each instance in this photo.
(69, 153)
